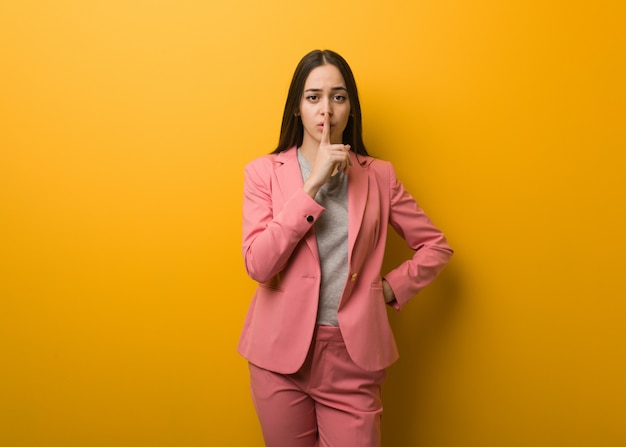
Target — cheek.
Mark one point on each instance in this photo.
(345, 121)
(305, 115)
(347, 114)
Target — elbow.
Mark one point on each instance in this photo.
(443, 247)
(447, 253)
(259, 272)
(260, 278)
(255, 273)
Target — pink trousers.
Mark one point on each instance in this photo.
(329, 400)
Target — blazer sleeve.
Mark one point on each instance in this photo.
(269, 235)
(432, 251)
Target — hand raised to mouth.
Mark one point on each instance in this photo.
(330, 159)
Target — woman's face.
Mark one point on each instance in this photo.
(324, 93)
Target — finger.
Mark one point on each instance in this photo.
(326, 130)
(346, 162)
(347, 148)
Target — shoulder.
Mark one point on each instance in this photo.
(262, 163)
(269, 162)
(382, 173)
(258, 172)
(367, 161)
(376, 166)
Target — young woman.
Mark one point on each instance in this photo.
(315, 218)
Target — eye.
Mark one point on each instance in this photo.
(339, 98)
(312, 98)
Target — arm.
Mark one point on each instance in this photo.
(432, 251)
(269, 239)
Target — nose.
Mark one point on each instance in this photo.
(327, 108)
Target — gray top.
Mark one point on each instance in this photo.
(331, 233)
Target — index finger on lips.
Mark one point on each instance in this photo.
(326, 130)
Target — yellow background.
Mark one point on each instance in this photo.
(124, 129)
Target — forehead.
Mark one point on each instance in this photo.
(324, 76)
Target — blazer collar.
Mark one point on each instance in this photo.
(288, 172)
(358, 189)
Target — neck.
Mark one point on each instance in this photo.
(309, 150)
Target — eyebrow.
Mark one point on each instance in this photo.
(334, 89)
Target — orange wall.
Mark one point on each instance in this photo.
(124, 128)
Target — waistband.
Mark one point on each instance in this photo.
(327, 333)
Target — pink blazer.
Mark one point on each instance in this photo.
(280, 252)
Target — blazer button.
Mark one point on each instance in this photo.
(309, 218)
(353, 277)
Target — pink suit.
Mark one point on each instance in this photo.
(280, 252)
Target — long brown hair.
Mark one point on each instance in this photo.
(292, 131)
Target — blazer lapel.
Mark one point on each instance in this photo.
(358, 187)
(288, 173)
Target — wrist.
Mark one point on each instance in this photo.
(311, 188)
(388, 292)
